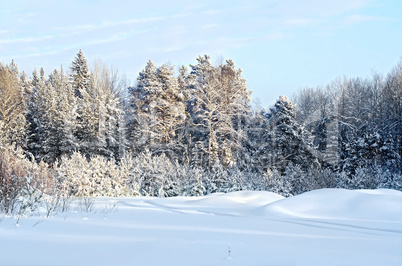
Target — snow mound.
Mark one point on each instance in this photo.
(238, 198)
(381, 204)
(233, 203)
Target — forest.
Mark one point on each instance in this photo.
(84, 132)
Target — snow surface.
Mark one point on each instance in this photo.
(323, 227)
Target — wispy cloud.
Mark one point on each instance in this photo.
(212, 12)
(209, 26)
(39, 53)
(274, 36)
(361, 18)
(358, 3)
(117, 37)
(175, 48)
(298, 21)
(25, 40)
(78, 29)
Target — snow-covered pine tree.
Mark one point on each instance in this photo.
(99, 122)
(254, 141)
(184, 133)
(170, 114)
(285, 140)
(158, 112)
(218, 107)
(391, 106)
(235, 111)
(200, 106)
(12, 106)
(110, 140)
(315, 110)
(88, 112)
(142, 117)
(80, 75)
(86, 124)
(61, 115)
(36, 115)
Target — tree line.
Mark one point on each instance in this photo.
(199, 125)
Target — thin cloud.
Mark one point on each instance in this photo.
(358, 3)
(274, 36)
(209, 26)
(212, 12)
(117, 37)
(78, 29)
(25, 40)
(39, 54)
(361, 18)
(297, 22)
(173, 49)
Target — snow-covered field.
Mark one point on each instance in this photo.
(323, 227)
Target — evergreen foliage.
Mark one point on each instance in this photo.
(12, 106)
(191, 134)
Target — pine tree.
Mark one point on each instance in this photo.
(285, 140)
(218, 108)
(99, 125)
(184, 133)
(12, 106)
(391, 105)
(80, 75)
(169, 111)
(87, 112)
(158, 111)
(36, 115)
(235, 111)
(108, 118)
(142, 115)
(61, 117)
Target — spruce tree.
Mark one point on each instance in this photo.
(285, 140)
(36, 115)
(12, 106)
(218, 108)
(142, 118)
(158, 111)
(80, 75)
(61, 117)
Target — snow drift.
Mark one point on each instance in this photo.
(380, 204)
(329, 226)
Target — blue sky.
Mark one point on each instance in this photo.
(281, 46)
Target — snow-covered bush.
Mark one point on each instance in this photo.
(13, 171)
(312, 178)
(193, 183)
(323, 178)
(365, 177)
(173, 183)
(218, 180)
(150, 172)
(275, 182)
(97, 176)
(390, 180)
(127, 166)
(24, 183)
(300, 181)
(237, 179)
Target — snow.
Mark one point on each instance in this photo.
(322, 227)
